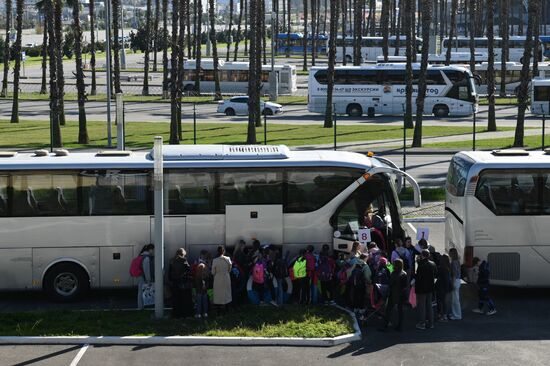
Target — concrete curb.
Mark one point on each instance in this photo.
(192, 340)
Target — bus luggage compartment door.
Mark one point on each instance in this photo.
(262, 222)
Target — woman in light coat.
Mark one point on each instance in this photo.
(221, 268)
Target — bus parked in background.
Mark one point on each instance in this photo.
(371, 47)
(545, 40)
(540, 96)
(74, 221)
(516, 46)
(513, 75)
(457, 58)
(234, 77)
(295, 44)
(380, 89)
(497, 208)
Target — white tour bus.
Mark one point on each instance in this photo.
(516, 46)
(234, 77)
(513, 75)
(457, 58)
(497, 208)
(71, 221)
(371, 47)
(540, 96)
(380, 89)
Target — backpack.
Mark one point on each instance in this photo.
(343, 274)
(357, 279)
(299, 267)
(258, 273)
(406, 264)
(136, 268)
(324, 269)
(280, 269)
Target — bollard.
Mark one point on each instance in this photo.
(265, 128)
(543, 130)
(194, 123)
(334, 124)
(119, 103)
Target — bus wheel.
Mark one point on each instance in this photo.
(354, 110)
(229, 112)
(441, 111)
(66, 282)
(370, 112)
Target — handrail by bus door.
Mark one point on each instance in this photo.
(416, 188)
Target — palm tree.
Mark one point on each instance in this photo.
(212, 16)
(313, 31)
(174, 122)
(304, 67)
(147, 49)
(491, 121)
(80, 87)
(17, 51)
(44, 54)
(372, 18)
(246, 18)
(165, 92)
(288, 29)
(198, 53)
(93, 90)
(410, 51)
(116, 44)
(238, 35)
(421, 96)
(156, 34)
(230, 36)
(6, 51)
(454, 8)
(398, 30)
(333, 30)
(188, 25)
(344, 12)
(384, 24)
(504, 34)
(523, 93)
(181, 51)
(357, 26)
(53, 46)
(58, 29)
(472, 9)
(254, 77)
(536, 44)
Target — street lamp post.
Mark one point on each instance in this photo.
(123, 51)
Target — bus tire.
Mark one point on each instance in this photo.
(370, 112)
(441, 111)
(66, 282)
(354, 110)
(229, 112)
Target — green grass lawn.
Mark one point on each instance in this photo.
(500, 101)
(250, 321)
(428, 194)
(33, 134)
(530, 142)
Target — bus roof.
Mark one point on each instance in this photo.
(511, 158)
(192, 156)
(541, 82)
(392, 66)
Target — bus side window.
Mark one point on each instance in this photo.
(3, 196)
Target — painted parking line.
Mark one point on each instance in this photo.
(79, 355)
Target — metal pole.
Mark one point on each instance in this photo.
(159, 228)
(265, 128)
(119, 103)
(334, 108)
(543, 130)
(108, 67)
(474, 134)
(194, 124)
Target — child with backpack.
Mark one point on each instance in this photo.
(143, 268)
(325, 274)
(484, 273)
(301, 280)
(259, 277)
(201, 279)
(278, 267)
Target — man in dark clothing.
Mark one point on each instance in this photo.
(424, 288)
(397, 296)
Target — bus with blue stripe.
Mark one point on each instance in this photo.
(295, 42)
(545, 40)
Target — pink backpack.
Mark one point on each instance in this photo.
(136, 269)
(258, 273)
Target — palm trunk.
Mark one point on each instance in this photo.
(421, 96)
(188, 26)
(198, 52)
(398, 31)
(504, 33)
(53, 46)
(229, 37)
(238, 35)
(165, 91)
(93, 90)
(325, 17)
(264, 31)
(173, 75)
(246, 19)
(523, 94)
(7, 55)
(81, 88)
(472, 9)
(408, 122)
(313, 31)
(536, 43)
(147, 49)
(213, 40)
(116, 44)
(59, 60)
(385, 28)
(357, 33)
(329, 111)
(44, 54)
(253, 92)
(491, 121)
(344, 33)
(452, 32)
(304, 66)
(288, 30)
(156, 34)
(195, 28)
(17, 51)
(372, 18)
(180, 76)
